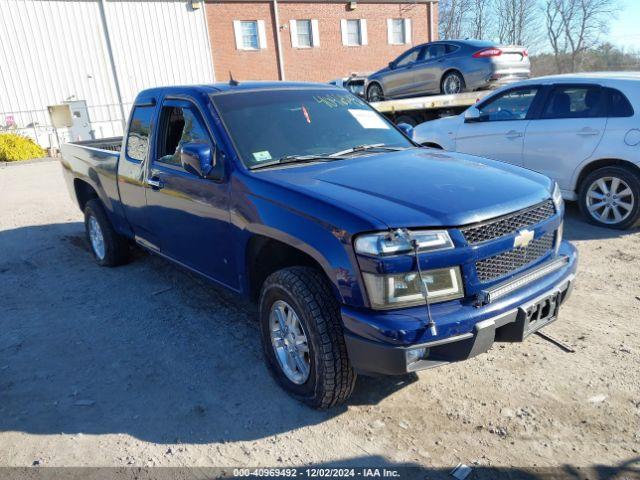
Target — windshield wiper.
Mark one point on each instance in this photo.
(381, 147)
(293, 159)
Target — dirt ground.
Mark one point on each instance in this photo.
(145, 365)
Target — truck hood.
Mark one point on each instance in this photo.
(417, 187)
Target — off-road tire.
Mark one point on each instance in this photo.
(116, 246)
(331, 379)
(630, 177)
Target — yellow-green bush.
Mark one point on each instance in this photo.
(15, 147)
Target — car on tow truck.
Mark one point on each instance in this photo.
(365, 252)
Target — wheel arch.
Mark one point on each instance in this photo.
(84, 192)
(265, 255)
(594, 165)
(371, 83)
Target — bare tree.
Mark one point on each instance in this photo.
(479, 22)
(518, 21)
(574, 26)
(452, 15)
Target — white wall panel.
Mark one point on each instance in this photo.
(54, 50)
(158, 43)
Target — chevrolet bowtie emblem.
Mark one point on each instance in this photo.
(523, 238)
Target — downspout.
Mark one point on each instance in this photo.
(103, 16)
(431, 25)
(276, 20)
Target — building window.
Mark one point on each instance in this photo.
(304, 33)
(250, 34)
(399, 31)
(354, 32)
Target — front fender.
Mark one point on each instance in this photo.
(329, 245)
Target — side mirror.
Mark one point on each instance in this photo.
(406, 129)
(197, 158)
(472, 114)
(392, 65)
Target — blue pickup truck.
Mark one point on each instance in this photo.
(365, 252)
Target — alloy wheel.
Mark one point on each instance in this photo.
(96, 237)
(610, 200)
(452, 85)
(289, 342)
(375, 93)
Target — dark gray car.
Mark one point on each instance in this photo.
(449, 67)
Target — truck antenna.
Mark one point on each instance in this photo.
(423, 287)
(232, 81)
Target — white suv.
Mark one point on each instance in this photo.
(582, 130)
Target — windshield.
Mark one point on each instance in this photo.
(268, 125)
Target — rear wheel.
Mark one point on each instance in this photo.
(610, 197)
(452, 83)
(108, 247)
(375, 93)
(302, 337)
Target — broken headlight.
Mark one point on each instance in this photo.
(403, 290)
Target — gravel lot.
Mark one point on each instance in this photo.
(146, 365)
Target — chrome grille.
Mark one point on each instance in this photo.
(501, 226)
(504, 263)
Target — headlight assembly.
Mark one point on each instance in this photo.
(395, 243)
(403, 290)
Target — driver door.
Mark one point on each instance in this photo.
(499, 132)
(189, 214)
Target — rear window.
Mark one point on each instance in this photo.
(619, 105)
(574, 101)
(138, 137)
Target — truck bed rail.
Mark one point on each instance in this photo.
(113, 144)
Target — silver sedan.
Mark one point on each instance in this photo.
(449, 67)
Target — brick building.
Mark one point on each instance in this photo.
(313, 40)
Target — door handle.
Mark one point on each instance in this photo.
(155, 183)
(513, 134)
(587, 132)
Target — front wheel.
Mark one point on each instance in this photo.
(302, 337)
(375, 93)
(452, 83)
(610, 197)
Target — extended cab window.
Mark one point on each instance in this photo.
(270, 124)
(574, 102)
(511, 105)
(138, 137)
(178, 125)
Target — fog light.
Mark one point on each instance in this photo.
(415, 354)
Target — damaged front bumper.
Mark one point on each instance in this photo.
(398, 342)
